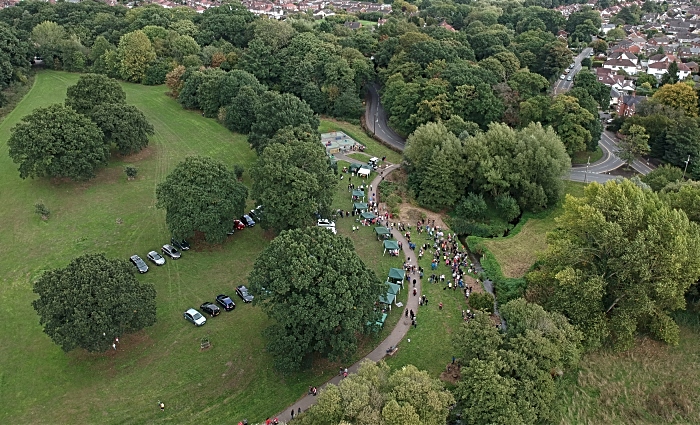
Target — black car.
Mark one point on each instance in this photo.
(247, 220)
(210, 308)
(139, 263)
(170, 251)
(256, 214)
(181, 245)
(242, 292)
(226, 302)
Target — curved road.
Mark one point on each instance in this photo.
(376, 120)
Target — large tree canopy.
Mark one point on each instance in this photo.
(123, 125)
(56, 141)
(201, 195)
(276, 111)
(93, 90)
(293, 181)
(378, 396)
(92, 301)
(319, 292)
(620, 261)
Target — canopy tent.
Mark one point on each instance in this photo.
(359, 193)
(368, 215)
(376, 326)
(391, 245)
(392, 288)
(396, 275)
(363, 172)
(354, 167)
(387, 299)
(382, 232)
(359, 206)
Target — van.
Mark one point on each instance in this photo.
(373, 162)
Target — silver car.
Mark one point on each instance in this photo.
(156, 258)
(195, 317)
(170, 251)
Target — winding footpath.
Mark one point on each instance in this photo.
(396, 335)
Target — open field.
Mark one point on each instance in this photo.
(581, 158)
(40, 383)
(516, 253)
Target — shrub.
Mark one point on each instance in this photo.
(131, 172)
(238, 171)
(507, 207)
(42, 210)
(481, 301)
(472, 207)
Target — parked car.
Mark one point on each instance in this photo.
(238, 225)
(324, 222)
(139, 263)
(156, 258)
(226, 302)
(195, 317)
(210, 308)
(242, 292)
(248, 221)
(182, 245)
(170, 251)
(562, 76)
(569, 78)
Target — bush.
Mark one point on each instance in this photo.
(393, 201)
(472, 207)
(481, 301)
(507, 207)
(131, 172)
(238, 171)
(42, 210)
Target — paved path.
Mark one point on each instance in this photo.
(396, 335)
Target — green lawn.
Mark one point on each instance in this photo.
(41, 384)
(581, 158)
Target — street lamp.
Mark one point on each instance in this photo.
(585, 176)
(686, 167)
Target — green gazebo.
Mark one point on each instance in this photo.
(391, 245)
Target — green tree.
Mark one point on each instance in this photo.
(420, 147)
(528, 84)
(293, 181)
(634, 144)
(123, 125)
(92, 301)
(201, 195)
(48, 37)
(680, 96)
(380, 396)
(661, 176)
(14, 56)
(97, 55)
(671, 75)
(93, 90)
(319, 293)
(276, 111)
(619, 262)
(683, 195)
(56, 141)
(135, 53)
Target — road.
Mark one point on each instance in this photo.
(563, 85)
(376, 120)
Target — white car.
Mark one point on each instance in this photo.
(156, 258)
(327, 224)
(561, 77)
(195, 317)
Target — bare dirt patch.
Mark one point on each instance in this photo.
(451, 374)
(145, 153)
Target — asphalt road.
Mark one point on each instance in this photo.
(376, 120)
(562, 86)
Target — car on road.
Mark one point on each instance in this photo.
(242, 292)
(572, 66)
(248, 221)
(226, 302)
(170, 251)
(195, 317)
(139, 263)
(569, 78)
(609, 121)
(210, 308)
(182, 245)
(562, 76)
(156, 258)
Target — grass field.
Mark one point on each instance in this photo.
(518, 252)
(41, 384)
(581, 158)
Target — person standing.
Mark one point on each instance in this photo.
(162, 406)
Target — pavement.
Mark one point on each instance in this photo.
(396, 335)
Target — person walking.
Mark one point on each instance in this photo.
(162, 406)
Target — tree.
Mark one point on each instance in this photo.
(661, 176)
(201, 195)
(56, 141)
(683, 195)
(92, 301)
(619, 262)
(48, 37)
(174, 80)
(634, 144)
(509, 378)
(380, 396)
(131, 172)
(671, 75)
(680, 96)
(135, 53)
(277, 111)
(319, 293)
(13, 56)
(420, 147)
(293, 181)
(93, 90)
(123, 125)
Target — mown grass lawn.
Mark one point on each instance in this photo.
(41, 384)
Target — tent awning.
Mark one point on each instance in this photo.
(392, 288)
(354, 166)
(387, 299)
(363, 172)
(381, 230)
(368, 215)
(359, 193)
(359, 205)
(397, 274)
(391, 244)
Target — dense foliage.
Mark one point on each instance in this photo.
(92, 301)
(201, 195)
(619, 262)
(319, 293)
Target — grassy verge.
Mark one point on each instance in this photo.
(374, 148)
(581, 158)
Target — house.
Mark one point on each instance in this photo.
(627, 105)
(615, 97)
(621, 65)
(562, 34)
(605, 28)
(658, 69)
